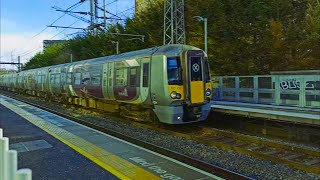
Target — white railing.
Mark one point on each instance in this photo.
(9, 164)
(287, 90)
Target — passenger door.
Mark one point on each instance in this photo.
(195, 69)
(107, 81)
(145, 75)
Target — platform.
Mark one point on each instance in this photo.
(54, 147)
(280, 113)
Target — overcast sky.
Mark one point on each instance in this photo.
(23, 23)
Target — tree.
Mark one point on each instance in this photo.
(245, 37)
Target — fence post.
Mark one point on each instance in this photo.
(23, 174)
(277, 90)
(255, 89)
(12, 163)
(237, 86)
(221, 88)
(4, 147)
(302, 92)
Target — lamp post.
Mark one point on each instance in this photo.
(199, 18)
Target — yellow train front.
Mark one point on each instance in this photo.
(180, 84)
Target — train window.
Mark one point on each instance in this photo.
(40, 79)
(63, 78)
(77, 78)
(96, 78)
(145, 80)
(174, 70)
(51, 78)
(85, 78)
(69, 78)
(30, 79)
(43, 77)
(121, 77)
(134, 77)
(196, 68)
(57, 79)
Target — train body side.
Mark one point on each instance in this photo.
(159, 79)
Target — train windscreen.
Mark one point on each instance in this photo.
(196, 68)
(174, 71)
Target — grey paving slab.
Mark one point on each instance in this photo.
(98, 139)
(83, 133)
(117, 148)
(75, 128)
(19, 147)
(36, 145)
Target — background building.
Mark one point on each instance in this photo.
(48, 43)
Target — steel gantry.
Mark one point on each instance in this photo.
(174, 26)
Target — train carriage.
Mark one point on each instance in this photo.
(168, 83)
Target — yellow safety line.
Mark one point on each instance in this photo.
(128, 170)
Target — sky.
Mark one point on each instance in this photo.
(24, 24)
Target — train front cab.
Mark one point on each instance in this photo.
(189, 89)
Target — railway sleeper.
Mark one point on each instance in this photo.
(313, 162)
(292, 156)
(216, 138)
(240, 144)
(272, 152)
(255, 148)
(226, 140)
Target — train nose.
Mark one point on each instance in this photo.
(192, 113)
(196, 110)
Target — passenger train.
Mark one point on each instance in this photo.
(170, 84)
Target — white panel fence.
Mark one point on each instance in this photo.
(287, 90)
(9, 162)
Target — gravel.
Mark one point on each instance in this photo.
(313, 147)
(243, 164)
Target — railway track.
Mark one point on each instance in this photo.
(296, 157)
(219, 171)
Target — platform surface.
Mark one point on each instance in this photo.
(62, 140)
(47, 157)
(282, 113)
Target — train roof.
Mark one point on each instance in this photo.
(169, 50)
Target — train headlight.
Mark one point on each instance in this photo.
(208, 92)
(173, 95)
(178, 96)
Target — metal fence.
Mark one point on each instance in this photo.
(287, 90)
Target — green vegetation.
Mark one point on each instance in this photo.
(246, 37)
(5, 71)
